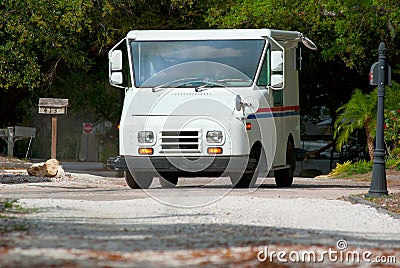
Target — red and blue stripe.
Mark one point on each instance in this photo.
(275, 112)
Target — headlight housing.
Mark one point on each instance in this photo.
(214, 136)
(145, 137)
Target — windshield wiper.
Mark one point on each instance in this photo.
(234, 80)
(180, 82)
(219, 83)
(207, 84)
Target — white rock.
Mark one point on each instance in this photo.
(49, 168)
(60, 172)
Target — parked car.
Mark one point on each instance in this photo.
(315, 158)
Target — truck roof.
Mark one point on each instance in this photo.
(213, 34)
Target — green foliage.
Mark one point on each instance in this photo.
(357, 26)
(358, 113)
(40, 40)
(48, 44)
(392, 128)
(38, 34)
(393, 163)
(360, 167)
(58, 48)
(87, 93)
(392, 116)
(340, 169)
(8, 210)
(12, 206)
(344, 30)
(8, 204)
(395, 153)
(347, 34)
(351, 168)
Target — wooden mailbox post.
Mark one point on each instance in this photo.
(53, 107)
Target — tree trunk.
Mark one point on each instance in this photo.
(370, 144)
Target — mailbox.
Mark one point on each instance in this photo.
(374, 73)
(53, 106)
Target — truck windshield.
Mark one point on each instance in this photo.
(193, 63)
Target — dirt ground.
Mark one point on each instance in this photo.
(83, 220)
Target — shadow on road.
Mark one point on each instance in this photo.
(302, 185)
(131, 234)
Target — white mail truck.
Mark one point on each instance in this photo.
(208, 103)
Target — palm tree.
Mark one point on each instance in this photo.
(358, 113)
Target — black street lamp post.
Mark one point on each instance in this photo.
(378, 186)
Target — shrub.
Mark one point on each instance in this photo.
(359, 167)
(395, 153)
(340, 169)
(393, 163)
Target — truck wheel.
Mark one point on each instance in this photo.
(242, 181)
(284, 177)
(248, 179)
(169, 181)
(138, 180)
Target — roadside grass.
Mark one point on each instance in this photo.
(390, 202)
(12, 207)
(361, 171)
(9, 212)
(349, 168)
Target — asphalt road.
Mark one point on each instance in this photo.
(86, 221)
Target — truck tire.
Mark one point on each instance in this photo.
(138, 180)
(249, 177)
(168, 181)
(242, 181)
(284, 177)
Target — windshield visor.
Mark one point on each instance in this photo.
(193, 63)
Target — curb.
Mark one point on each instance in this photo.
(358, 200)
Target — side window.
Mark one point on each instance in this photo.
(278, 97)
(264, 78)
(126, 68)
(298, 59)
(277, 68)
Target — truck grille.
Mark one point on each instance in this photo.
(180, 141)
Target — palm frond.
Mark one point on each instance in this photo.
(353, 115)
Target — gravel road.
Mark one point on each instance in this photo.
(91, 221)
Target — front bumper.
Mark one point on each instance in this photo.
(184, 166)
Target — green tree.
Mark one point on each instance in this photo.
(358, 113)
(40, 39)
(45, 42)
(392, 116)
(58, 48)
(345, 30)
(347, 34)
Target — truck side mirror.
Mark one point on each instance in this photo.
(115, 66)
(277, 69)
(276, 81)
(115, 58)
(116, 78)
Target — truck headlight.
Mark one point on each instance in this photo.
(145, 137)
(214, 136)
